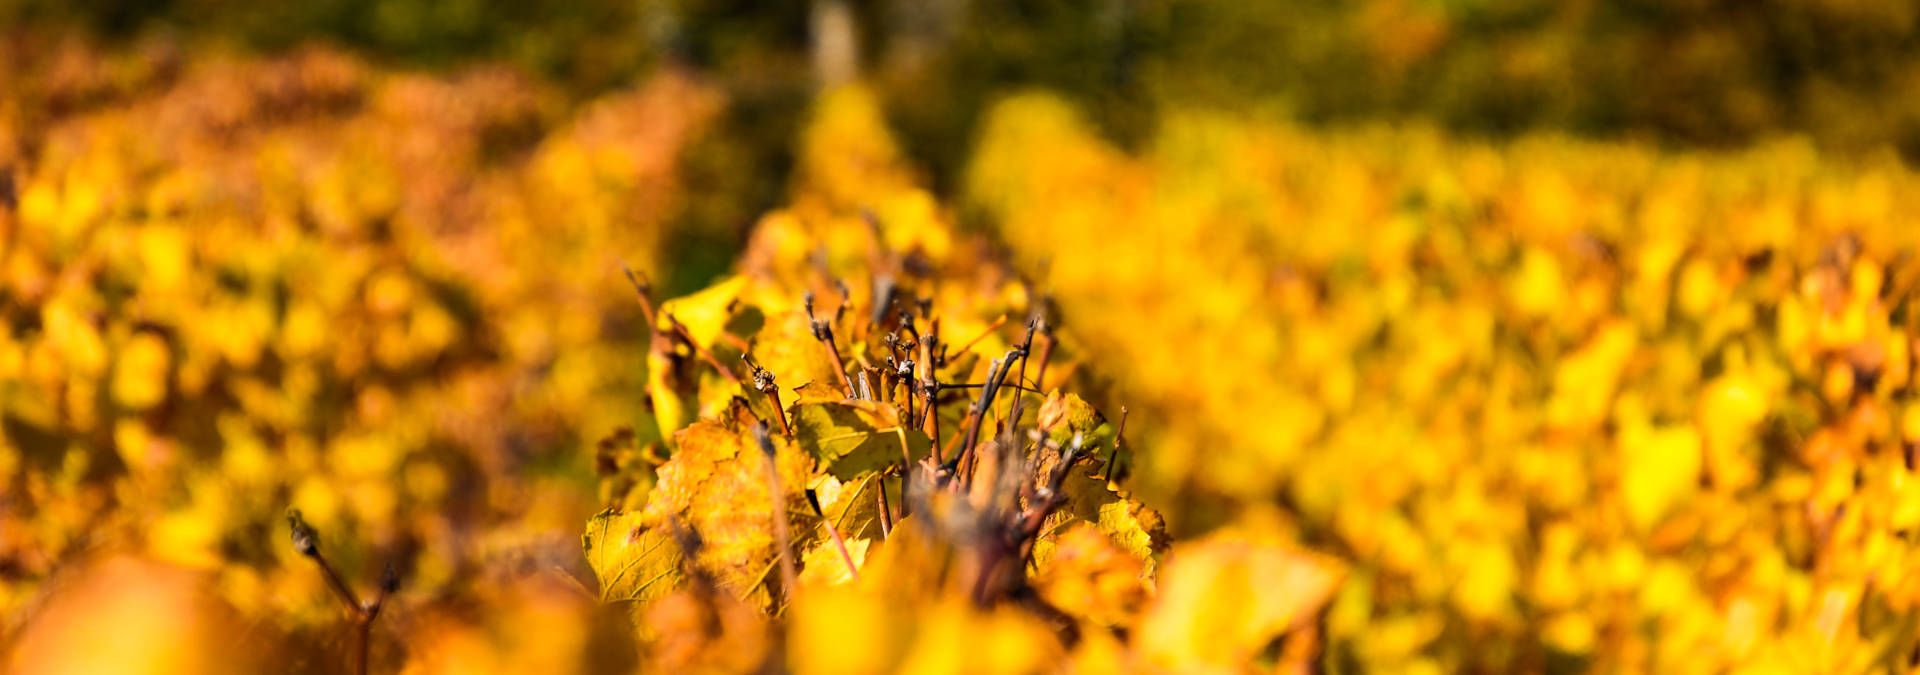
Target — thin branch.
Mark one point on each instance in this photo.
(977, 385)
(823, 331)
(307, 542)
(1119, 445)
(930, 395)
(976, 416)
(764, 383)
(644, 289)
(886, 512)
(788, 579)
(838, 542)
(1026, 347)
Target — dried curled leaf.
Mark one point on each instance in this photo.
(848, 438)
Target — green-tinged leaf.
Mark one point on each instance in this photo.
(1064, 415)
(1137, 529)
(1133, 526)
(847, 438)
(632, 561)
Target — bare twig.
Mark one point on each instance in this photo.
(307, 542)
(930, 393)
(823, 331)
(977, 416)
(1026, 347)
(644, 289)
(1119, 445)
(764, 383)
(886, 512)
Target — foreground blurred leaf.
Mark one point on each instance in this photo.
(1222, 600)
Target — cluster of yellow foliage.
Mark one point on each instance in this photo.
(392, 300)
(1557, 404)
(913, 541)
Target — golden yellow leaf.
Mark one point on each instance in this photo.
(140, 372)
(632, 560)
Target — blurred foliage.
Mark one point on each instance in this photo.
(1560, 405)
(389, 299)
(1715, 72)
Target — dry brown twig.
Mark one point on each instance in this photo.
(307, 541)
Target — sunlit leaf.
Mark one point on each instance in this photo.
(632, 561)
(704, 314)
(848, 438)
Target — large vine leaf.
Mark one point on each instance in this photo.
(631, 561)
(848, 438)
(716, 484)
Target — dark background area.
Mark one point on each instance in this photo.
(1692, 73)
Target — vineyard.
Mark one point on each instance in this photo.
(282, 333)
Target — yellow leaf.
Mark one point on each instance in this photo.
(824, 566)
(1221, 600)
(1659, 468)
(632, 561)
(140, 373)
(704, 314)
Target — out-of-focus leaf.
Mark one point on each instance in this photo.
(705, 313)
(1221, 600)
(672, 397)
(1087, 574)
(785, 346)
(1660, 467)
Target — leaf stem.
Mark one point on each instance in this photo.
(788, 579)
